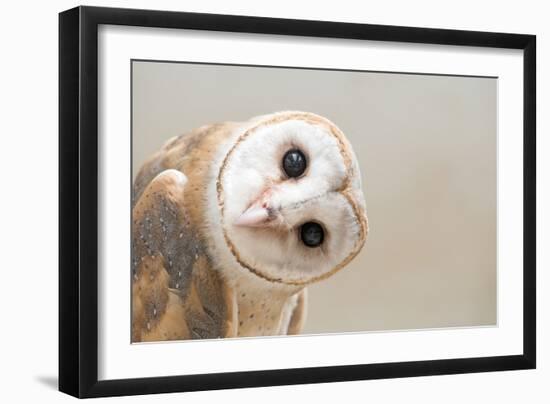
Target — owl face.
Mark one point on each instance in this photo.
(290, 199)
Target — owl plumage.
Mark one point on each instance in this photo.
(232, 221)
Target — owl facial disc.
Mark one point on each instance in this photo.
(290, 199)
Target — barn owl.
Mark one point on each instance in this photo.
(232, 221)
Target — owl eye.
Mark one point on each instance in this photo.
(312, 234)
(294, 163)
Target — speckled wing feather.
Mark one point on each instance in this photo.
(175, 292)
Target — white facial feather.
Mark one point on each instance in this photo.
(249, 169)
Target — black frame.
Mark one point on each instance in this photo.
(78, 207)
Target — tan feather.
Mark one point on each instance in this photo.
(172, 298)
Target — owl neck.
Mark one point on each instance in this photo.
(263, 307)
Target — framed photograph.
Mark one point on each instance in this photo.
(251, 201)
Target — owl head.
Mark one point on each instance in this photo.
(289, 196)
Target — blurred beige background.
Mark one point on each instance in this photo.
(427, 149)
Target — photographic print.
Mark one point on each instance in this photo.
(283, 201)
(270, 201)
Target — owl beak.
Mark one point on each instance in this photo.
(262, 212)
(255, 216)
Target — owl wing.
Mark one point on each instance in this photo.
(298, 316)
(176, 294)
